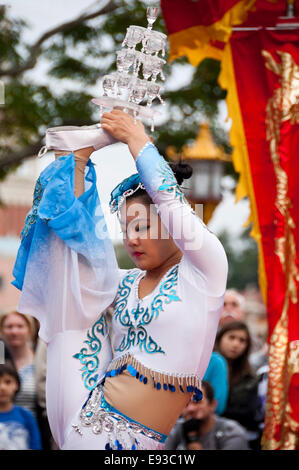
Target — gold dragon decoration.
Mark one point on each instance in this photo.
(283, 355)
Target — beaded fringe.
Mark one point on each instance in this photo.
(161, 380)
(121, 433)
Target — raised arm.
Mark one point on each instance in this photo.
(198, 244)
(66, 266)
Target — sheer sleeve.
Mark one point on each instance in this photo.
(66, 265)
(199, 245)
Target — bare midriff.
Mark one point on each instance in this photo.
(156, 409)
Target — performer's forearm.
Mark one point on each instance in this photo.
(81, 158)
(79, 175)
(136, 144)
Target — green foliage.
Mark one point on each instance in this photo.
(242, 262)
(10, 38)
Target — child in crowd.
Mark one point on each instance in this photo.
(18, 427)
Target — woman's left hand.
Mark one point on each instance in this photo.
(126, 129)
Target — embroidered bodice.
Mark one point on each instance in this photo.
(172, 330)
(164, 331)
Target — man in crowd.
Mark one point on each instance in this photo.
(233, 307)
(201, 429)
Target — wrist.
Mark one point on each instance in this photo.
(136, 143)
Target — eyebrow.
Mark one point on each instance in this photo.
(135, 220)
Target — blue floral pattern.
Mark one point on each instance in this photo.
(89, 359)
(142, 316)
(169, 182)
(32, 214)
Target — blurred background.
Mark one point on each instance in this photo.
(53, 55)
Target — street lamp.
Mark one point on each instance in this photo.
(207, 160)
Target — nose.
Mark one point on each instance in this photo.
(132, 238)
(237, 342)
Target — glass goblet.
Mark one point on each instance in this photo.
(138, 91)
(108, 83)
(129, 57)
(122, 83)
(147, 67)
(151, 15)
(157, 66)
(153, 91)
(155, 42)
(134, 35)
(120, 58)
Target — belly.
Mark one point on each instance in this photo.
(156, 409)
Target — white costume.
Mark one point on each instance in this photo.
(70, 277)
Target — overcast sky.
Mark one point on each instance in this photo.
(114, 163)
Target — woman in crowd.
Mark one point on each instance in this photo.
(233, 342)
(18, 332)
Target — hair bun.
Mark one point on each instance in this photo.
(182, 171)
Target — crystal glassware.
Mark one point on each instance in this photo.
(123, 83)
(109, 83)
(153, 91)
(120, 55)
(138, 68)
(157, 66)
(147, 66)
(154, 42)
(138, 91)
(134, 35)
(125, 59)
(151, 15)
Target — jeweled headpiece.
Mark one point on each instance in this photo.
(123, 190)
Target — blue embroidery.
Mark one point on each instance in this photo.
(137, 334)
(90, 360)
(32, 214)
(170, 184)
(123, 293)
(139, 337)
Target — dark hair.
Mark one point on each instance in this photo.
(182, 171)
(9, 369)
(209, 390)
(240, 366)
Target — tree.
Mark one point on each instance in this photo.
(242, 260)
(82, 50)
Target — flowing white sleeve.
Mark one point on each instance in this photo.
(67, 272)
(200, 247)
(66, 266)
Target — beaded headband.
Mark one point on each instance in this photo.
(124, 189)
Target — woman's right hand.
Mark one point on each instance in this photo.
(123, 127)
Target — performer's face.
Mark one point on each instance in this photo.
(146, 240)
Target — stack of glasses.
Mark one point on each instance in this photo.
(137, 71)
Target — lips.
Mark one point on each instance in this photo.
(233, 352)
(137, 254)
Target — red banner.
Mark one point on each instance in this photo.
(266, 80)
(199, 29)
(260, 70)
(179, 15)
